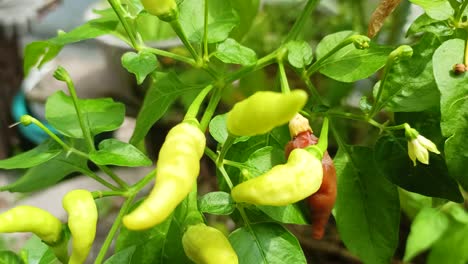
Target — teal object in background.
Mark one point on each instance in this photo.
(32, 132)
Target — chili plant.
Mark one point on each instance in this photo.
(412, 157)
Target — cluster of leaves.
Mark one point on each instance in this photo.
(372, 173)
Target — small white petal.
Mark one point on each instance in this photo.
(411, 154)
(429, 145)
(421, 152)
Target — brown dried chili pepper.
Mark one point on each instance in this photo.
(320, 203)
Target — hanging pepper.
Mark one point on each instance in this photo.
(320, 203)
(177, 170)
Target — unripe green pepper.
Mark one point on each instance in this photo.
(207, 245)
(284, 184)
(26, 218)
(264, 111)
(177, 170)
(82, 221)
(166, 10)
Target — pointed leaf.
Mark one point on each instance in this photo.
(430, 180)
(124, 256)
(38, 155)
(436, 9)
(425, 23)
(217, 203)
(47, 173)
(452, 247)
(350, 64)
(221, 20)
(41, 52)
(453, 107)
(410, 85)
(218, 130)
(141, 64)
(115, 152)
(230, 51)
(102, 114)
(266, 243)
(367, 206)
(427, 228)
(299, 53)
(164, 90)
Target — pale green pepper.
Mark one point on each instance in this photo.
(207, 245)
(284, 184)
(264, 111)
(177, 170)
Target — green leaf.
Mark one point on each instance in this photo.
(38, 155)
(102, 114)
(367, 209)
(410, 85)
(290, 214)
(141, 64)
(122, 257)
(436, 9)
(38, 252)
(427, 228)
(299, 54)
(162, 243)
(47, 173)
(391, 155)
(247, 11)
(217, 203)
(218, 130)
(453, 107)
(115, 152)
(350, 64)
(221, 20)
(164, 90)
(266, 243)
(9, 257)
(261, 161)
(41, 52)
(425, 23)
(230, 51)
(452, 247)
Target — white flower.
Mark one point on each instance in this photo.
(418, 148)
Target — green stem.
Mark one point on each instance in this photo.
(175, 24)
(205, 33)
(95, 177)
(283, 78)
(315, 95)
(261, 63)
(171, 55)
(235, 164)
(50, 133)
(211, 154)
(323, 141)
(114, 176)
(397, 127)
(249, 227)
(113, 230)
(195, 106)
(465, 61)
(102, 194)
(227, 144)
(461, 11)
(62, 75)
(115, 4)
(226, 176)
(402, 52)
(299, 24)
(211, 108)
(143, 182)
(318, 63)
